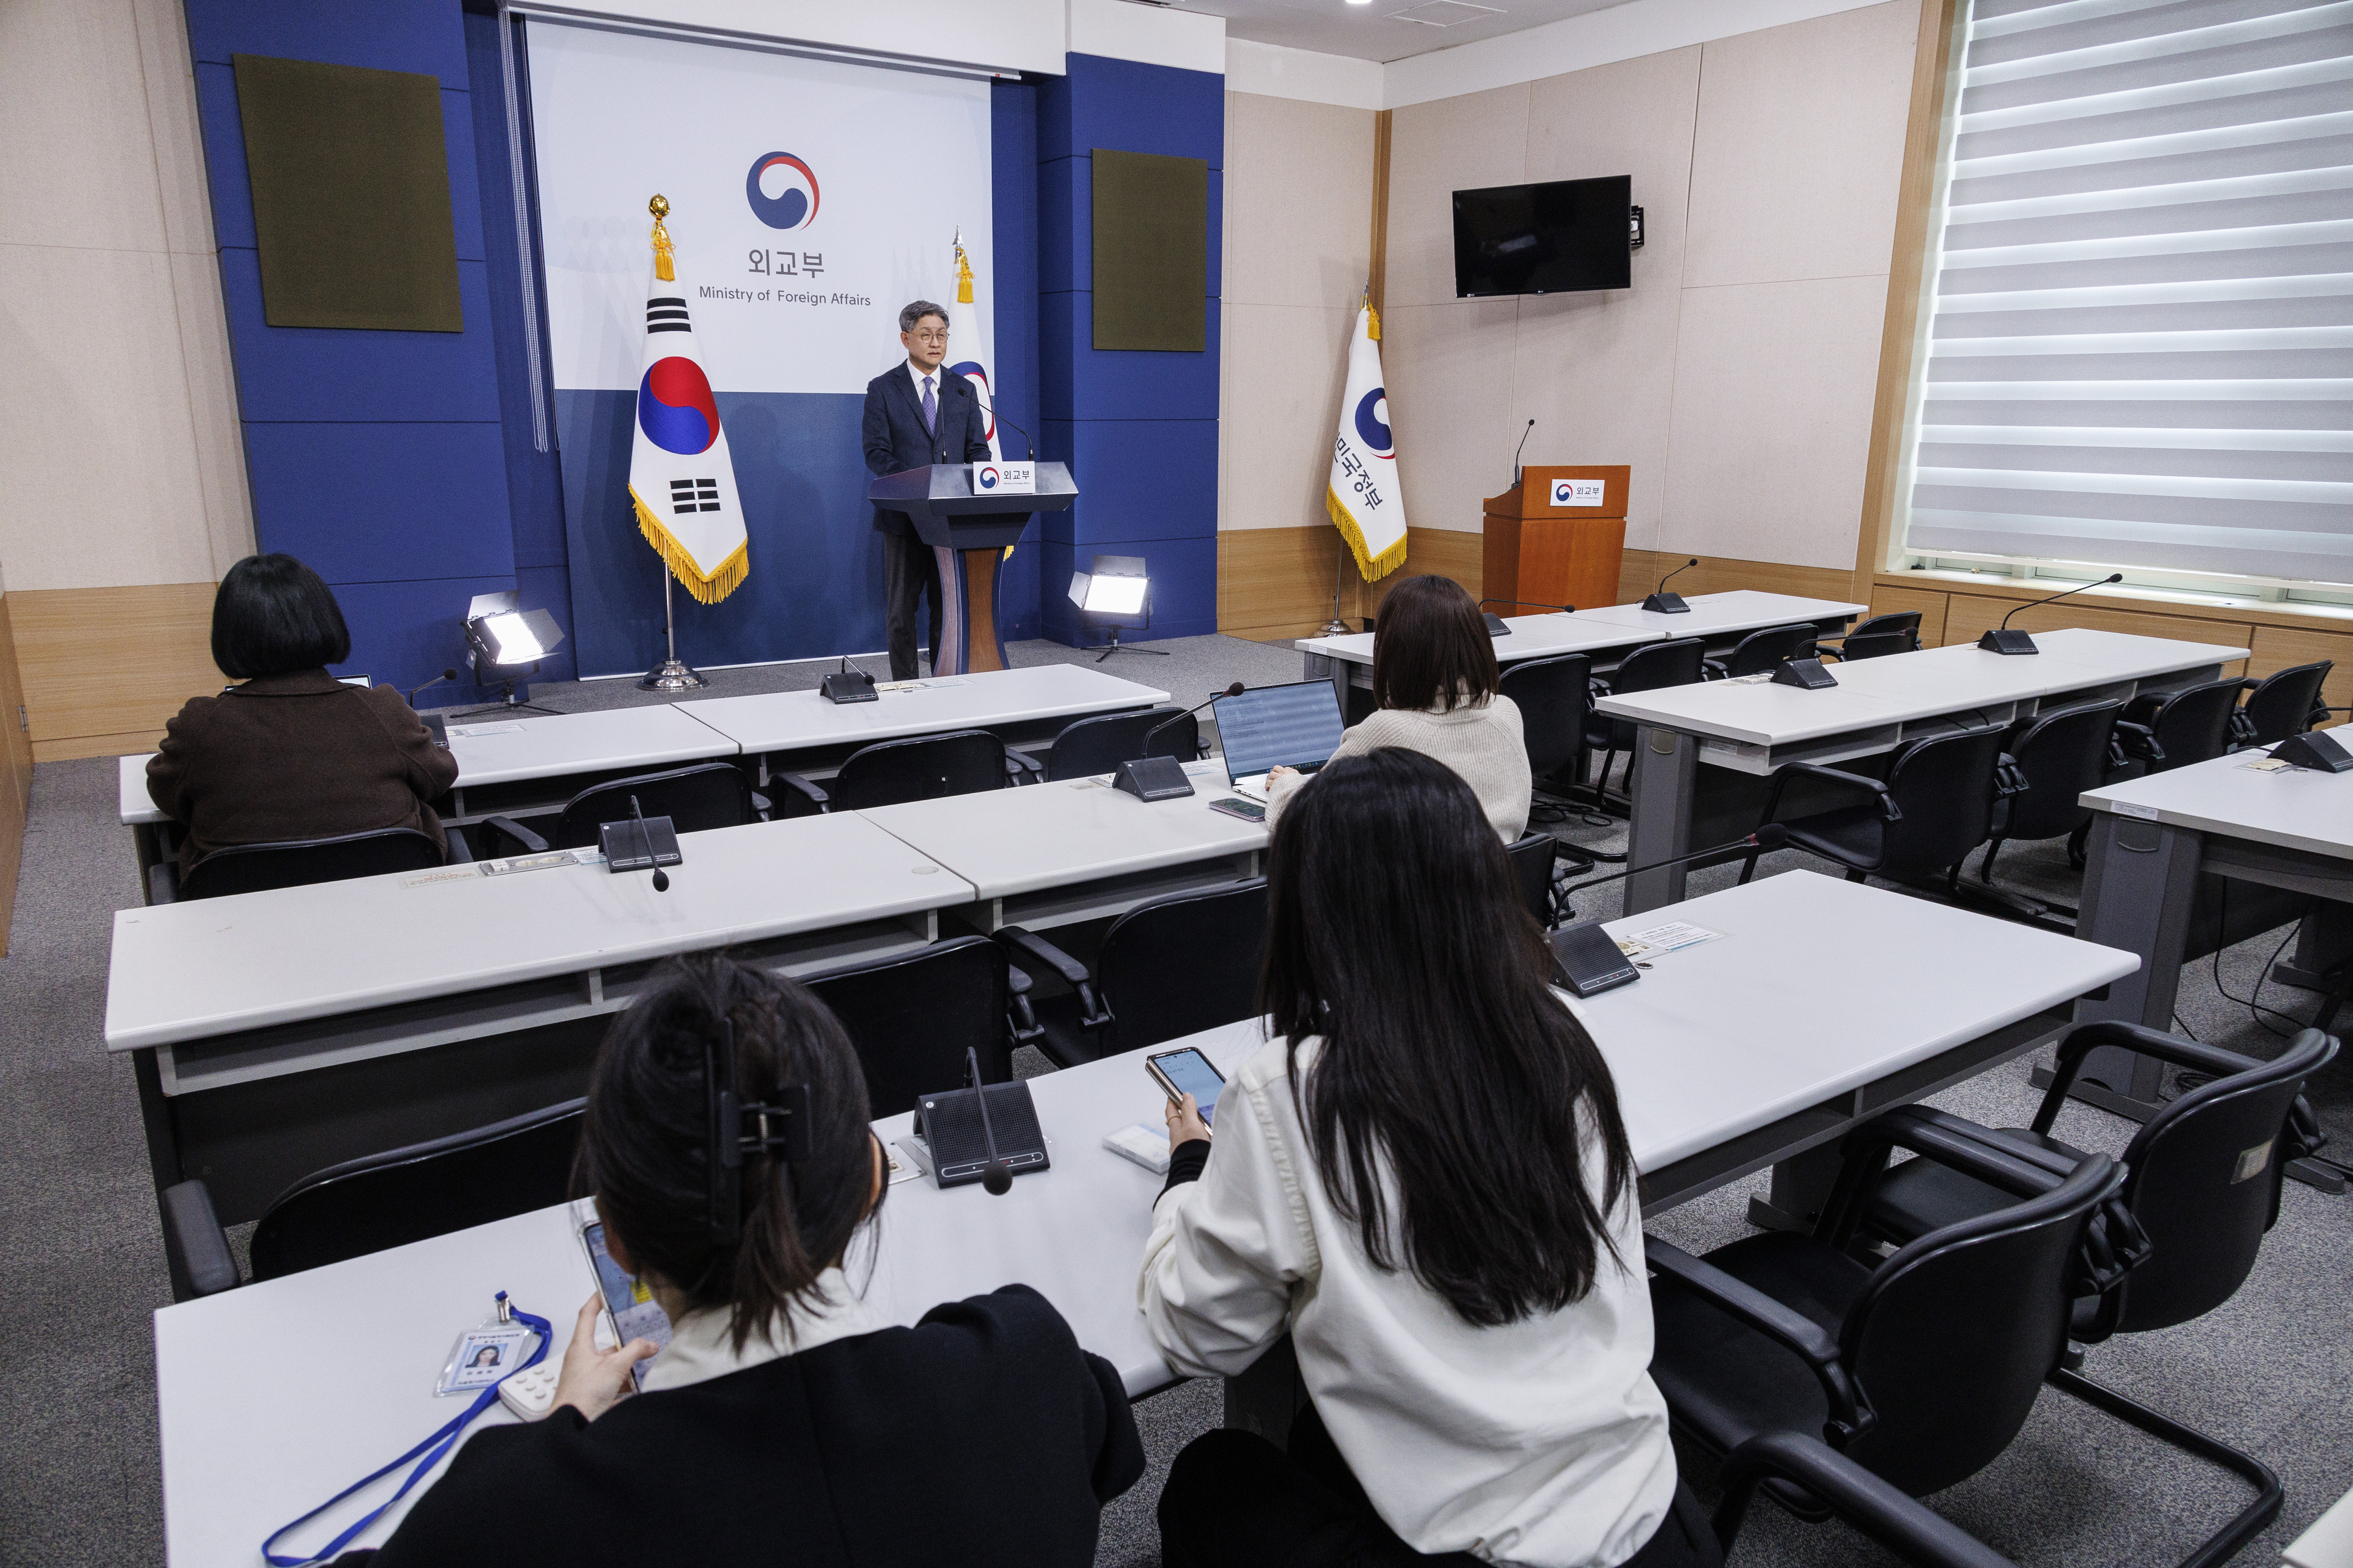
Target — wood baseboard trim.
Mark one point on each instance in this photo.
(1639, 571)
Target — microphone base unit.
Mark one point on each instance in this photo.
(1153, 778)
(1807, 673)
(2315, 749)
(1495, 626)
(2003, 639)
(1589, 959)
(848, 686)
(1666, 604)
(950, 1126)
(627, 850)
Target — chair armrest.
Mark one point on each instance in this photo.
(1074, 975)
(2140, 740)
(458, 851)
(1019, 764)
(2086, 1039)
(800, 797)
(1851, 1416)
(1020, 1019)
(1887, 807)
(1879, 1508)
(196, 1248)
(761, 804)
(164, 882)
(1714, 670)
(528, 842)
(2009, 778)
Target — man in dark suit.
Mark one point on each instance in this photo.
(917, 413)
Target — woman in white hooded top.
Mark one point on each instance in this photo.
(1423, 1179)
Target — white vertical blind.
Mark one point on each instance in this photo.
(2141, 343)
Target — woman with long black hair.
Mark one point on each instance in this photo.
(1424, 1180)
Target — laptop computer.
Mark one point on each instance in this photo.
(1297, 725)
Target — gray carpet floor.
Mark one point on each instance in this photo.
(79, 1482)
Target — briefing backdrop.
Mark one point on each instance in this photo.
(809, 200)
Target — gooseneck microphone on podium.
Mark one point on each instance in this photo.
(450, 674)
(2002, 640)
(1589, 957)
(990, 409)
(1662, 603)
(1163, 778)
(1516, 470)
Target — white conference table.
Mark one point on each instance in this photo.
(1608, 631)
(1051, 854)
(280, 1032)
(1753, 727)
(1704, 1101)
(800, 731)
(2154, 839)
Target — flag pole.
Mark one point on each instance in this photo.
(1335, 626)
(669, 675)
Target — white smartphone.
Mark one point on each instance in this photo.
(629, 1308)
(1188, 1071)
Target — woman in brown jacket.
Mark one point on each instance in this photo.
(292, 752)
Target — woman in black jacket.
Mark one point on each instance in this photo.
(785, 1421)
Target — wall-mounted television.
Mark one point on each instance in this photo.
(1562, 237)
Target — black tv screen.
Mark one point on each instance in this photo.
(1559, 238)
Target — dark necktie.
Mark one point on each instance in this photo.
(931, 408)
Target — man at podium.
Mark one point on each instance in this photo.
(916, 414)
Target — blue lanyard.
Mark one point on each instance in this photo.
(434, 1448)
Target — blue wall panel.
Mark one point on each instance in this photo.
(1184, 588)
(1136, 107)
(443, 486)
(323, 373)
(1066, 256)
(403, 634)
(1120, 384)
(1012, 157)
(1146, 478)
(387, 34)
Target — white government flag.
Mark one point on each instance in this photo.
(975, 357)
(681, 476)
(1363, 497)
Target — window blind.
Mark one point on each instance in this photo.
(2140, 350)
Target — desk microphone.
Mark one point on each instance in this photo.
(450, 674)
(1662, 603)
(995, 417)
(1236, 689)
(997, 1176)
(2315, 748)
(645, 838)
(2002, 640)
(1771, 836)
(1518, 449)
(1590, 959)
(1495, 626)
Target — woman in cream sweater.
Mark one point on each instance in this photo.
(1435, 679)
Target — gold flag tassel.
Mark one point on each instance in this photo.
(964, 275)
(663, 249)
(709, 590)
(1372, 568)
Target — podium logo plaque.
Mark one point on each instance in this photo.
(1577, 492)
(1004, 479)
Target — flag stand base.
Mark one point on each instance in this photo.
(671, 674)
(1335, 626)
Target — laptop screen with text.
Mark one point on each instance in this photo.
(1296, 726)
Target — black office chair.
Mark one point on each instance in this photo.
(1875, 636)
(1555, 699)
(1087, 747)
(258, 868)
(1935, 805)
(380, 1200)
(891, 773)
(2202, 1181)
(1847, 1491)
(1679, 662)
(2058, 755)
(695, 798)
(1532, 862)
(912, 1018)
(2169, 729)
(1761, 652)
(1920, 1369)
(2287, 703)
(1170, 967)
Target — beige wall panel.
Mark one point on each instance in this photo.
(212, 408)
(105, 666)
(1596, 373)
(1639, 570)
(169, 80)
(16, 773)
(2278, 647)
(1431, 551)
(1800, 147)
(1449, 383)
(1772, 420)
(1436, 149)
(73, 128)
(92, 340)
(1299, 194)
(1931, 606)
(1286, 367)
(1635, 117)
(1968, 616)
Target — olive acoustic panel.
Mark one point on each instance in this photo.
(351, 196)
(1151, 251)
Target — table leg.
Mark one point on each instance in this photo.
(1662, 783)
(2137, 891)
(1802, 1185)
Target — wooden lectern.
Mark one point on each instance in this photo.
(1555, 538)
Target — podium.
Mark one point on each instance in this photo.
(1555, 538)
(968, 531)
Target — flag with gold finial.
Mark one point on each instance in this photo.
(1363, 497)
(681, 479)
(977, 350)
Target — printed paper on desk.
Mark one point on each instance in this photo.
(476, 731)
(1674, 936)
(2268, 765)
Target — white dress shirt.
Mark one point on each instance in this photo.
(701, 1347)
(1540, 1442)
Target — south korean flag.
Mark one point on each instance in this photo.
(681, 476)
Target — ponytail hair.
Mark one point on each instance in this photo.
(645, 1143)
